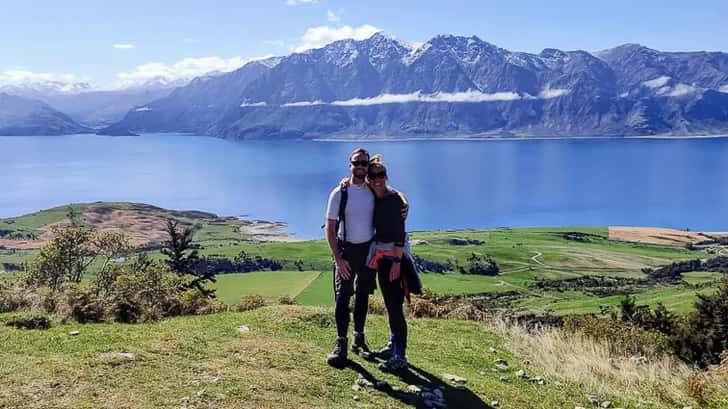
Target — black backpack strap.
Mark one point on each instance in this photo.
(342, 212)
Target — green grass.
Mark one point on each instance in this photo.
(268, 284)
(204, 362)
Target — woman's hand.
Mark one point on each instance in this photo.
(345, 182)
(394, 271)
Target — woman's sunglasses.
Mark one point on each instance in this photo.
(378, 175)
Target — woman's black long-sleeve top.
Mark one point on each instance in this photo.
(388, 221)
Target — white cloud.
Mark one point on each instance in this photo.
(143, 109)
(680, 90)
(16, 77)
(317, 37)
(469, 96)
(253, 104)
(724, 89)
(548, 93)
(187, 68)
(658, 82)
(332, 17)
(123, 46)
(297, 2)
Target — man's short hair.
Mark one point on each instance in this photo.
(359, 151)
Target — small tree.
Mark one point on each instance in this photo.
(71, 251)
(183, 260)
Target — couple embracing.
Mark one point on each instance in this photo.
(365, 230)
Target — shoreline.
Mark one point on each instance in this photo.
(510, 138)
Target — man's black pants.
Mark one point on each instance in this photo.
(362, 283)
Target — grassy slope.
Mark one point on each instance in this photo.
(269, 284)
(204, 362)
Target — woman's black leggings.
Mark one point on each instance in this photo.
(393, 299)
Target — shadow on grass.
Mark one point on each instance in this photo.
(455, 397)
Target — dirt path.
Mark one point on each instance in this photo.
(536, 260)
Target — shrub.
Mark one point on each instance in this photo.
(195, 302)
(249, 302)
(13, 297)
(81, 303)
(377, 306)
(622, 338)
(481, 265)
(28, 321)
(286, 300)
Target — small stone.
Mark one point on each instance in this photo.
(414, 389)
(355, 387)
(537, 379)
(593, 399)
(494, 403)
(74, 333)
(501, 367)
(579, 407)
(521, 374)
(687, 407)
(200, 392)
(500, 361)
(454, 378)
(606, 404)
(252, 387)
(492, 350)
(243, 329)
(504, 379)
(356, 398)
(364, 383)
(526, 362)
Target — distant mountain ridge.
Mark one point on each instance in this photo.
(449, 86)
(24, 116)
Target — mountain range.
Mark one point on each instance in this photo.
(449, 86)
(25, 116)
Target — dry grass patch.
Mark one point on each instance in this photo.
(655, 235)
(578, 360)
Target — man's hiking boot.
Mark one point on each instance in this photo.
(394, 364)
(337, 358)
(359, 346)
(386, 352)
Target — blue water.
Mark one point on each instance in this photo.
(451, 184)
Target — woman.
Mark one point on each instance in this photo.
(387, 256)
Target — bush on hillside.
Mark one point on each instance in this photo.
(80, 303)
(28, 321)
(480, 265)
(249, 302)
(622, 339)
(286, 300)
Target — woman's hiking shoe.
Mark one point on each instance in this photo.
(394, 364)
(337, 358)
(359, 346)
(385, 353)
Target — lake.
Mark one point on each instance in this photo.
(681, 183)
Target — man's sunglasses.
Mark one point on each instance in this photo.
(378, 175)
(360, 162)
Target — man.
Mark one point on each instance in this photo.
(350, 247)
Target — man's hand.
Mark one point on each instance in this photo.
(345, 182)
(394, 271)
(342, 268)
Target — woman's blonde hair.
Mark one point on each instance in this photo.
(376, 162)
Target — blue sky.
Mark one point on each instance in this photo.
(108, 43)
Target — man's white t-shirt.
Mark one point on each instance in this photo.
(358, 215)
